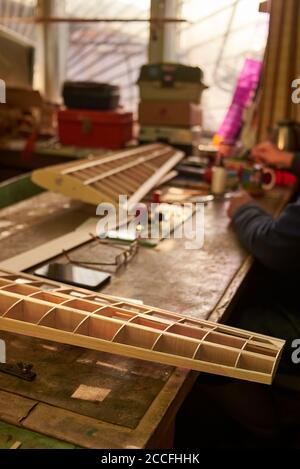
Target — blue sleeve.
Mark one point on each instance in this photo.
(274, 242)
(296, 165)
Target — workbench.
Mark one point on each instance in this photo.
(89, 399)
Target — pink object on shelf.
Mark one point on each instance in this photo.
(246, 86)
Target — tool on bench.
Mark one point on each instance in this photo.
(125, 256)
(20, 370)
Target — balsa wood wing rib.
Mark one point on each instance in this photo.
(52, 311)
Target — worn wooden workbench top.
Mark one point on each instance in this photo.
(99, 400)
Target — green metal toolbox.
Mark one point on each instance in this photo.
(171, 82)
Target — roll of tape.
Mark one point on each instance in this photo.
(218, 184)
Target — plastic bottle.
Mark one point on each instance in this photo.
(219, 178)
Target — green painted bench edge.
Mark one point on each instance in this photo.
(9, 434)
(17, 189)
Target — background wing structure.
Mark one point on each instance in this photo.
(130, 172)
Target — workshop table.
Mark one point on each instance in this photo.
(98, 400)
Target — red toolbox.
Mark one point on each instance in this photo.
(106, 129)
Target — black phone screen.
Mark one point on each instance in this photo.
(74, 275)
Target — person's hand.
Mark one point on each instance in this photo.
(225, 151)
(268, 153)
(238, 200)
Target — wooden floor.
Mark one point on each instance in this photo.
(97, 400)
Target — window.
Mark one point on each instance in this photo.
(220, 35)
(18, 8)
(109, 52)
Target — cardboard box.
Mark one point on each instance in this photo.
(25, 111)
(170, 113)
(188, 92)
(171, 135)
(23, 98)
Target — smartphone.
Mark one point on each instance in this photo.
(74, 275)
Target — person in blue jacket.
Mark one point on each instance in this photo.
(275, 243)
(238, 414)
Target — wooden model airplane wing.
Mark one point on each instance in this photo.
(49, 310)
(131, 172)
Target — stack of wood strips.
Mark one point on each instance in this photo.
(132, 172)
(282, 67)
(52, 311)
